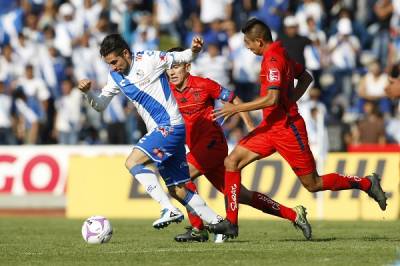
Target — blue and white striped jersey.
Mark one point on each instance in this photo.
(147, 87)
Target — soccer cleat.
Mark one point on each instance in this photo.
(376, 192)
(301, 221)
(192, 235)
(220, 238)
(168, 217)
(224, 227)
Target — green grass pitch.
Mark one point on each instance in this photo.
(58, 241)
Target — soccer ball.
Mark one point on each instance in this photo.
(97, 230)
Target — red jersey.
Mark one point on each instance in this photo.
(196, 103)
(278, 72)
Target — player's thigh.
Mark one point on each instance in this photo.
(292, 145)
(137, 157)
(175, 170)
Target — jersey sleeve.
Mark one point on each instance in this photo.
(218, 92)
(272, 72)
(164, 60)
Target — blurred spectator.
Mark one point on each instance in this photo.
(272, 13)
(372, 88)
(68, 118)
(216, 34)
(37, 98)
(314, 113)
(381, 35)
(371, 128)
(6, 117)
(68, 30)
(309, 9)
(315, 54)
(27, 126)
(196, 29)
(166, 15)
(339, 132)
(211, 10)
(245, 65)
(344, 48)
(145, 36)
(49, 14)
(211, 64)
(292, 41)
(10, 67)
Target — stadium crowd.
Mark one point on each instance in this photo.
(47, 46)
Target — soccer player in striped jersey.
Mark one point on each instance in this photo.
(141, 78)
(205, 139)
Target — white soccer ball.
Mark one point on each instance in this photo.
(97, 230)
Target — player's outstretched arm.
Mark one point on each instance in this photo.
(228, 109)
(244, 115)
(98, 102)
(188, 55)
(303, 81)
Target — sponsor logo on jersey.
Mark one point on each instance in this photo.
(273, 75)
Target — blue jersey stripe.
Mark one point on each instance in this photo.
(152, 106)
(165, 86)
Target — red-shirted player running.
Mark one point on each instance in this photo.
(208, 148)
(282, 129)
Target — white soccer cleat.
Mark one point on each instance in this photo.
(167, 217)
(220, 238)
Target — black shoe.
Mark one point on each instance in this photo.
(376, 192)
(192, 235)
(224, 227)
(301, 221)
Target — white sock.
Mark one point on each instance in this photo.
(149, 180)
(195, 204)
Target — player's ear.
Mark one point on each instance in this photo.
(188, 67)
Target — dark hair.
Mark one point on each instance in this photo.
(113, 43)
(255, 28)
(176, 49)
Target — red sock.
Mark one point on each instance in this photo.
(337, 182)
(232, 191)
(195, 220)
(266, 204)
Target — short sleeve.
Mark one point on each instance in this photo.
(218, 92)
(273, 74)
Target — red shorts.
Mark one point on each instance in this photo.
(290, 141)
(208, 157)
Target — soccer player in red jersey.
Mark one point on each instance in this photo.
(282, 129)
(208, 147)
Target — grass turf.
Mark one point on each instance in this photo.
(58, 241)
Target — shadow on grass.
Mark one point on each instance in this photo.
(303, 240)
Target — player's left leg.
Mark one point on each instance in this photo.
(335, 182)
(297, 153)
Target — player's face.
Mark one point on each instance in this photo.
(178, 73)
(119, 62)
(254, 45)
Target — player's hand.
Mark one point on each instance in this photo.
(84, 85)
(197, 44)
(226, 111)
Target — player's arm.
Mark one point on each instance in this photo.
(188, 55)
(303, 81)
(271, 99)
(244, 115)
(98, 102)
